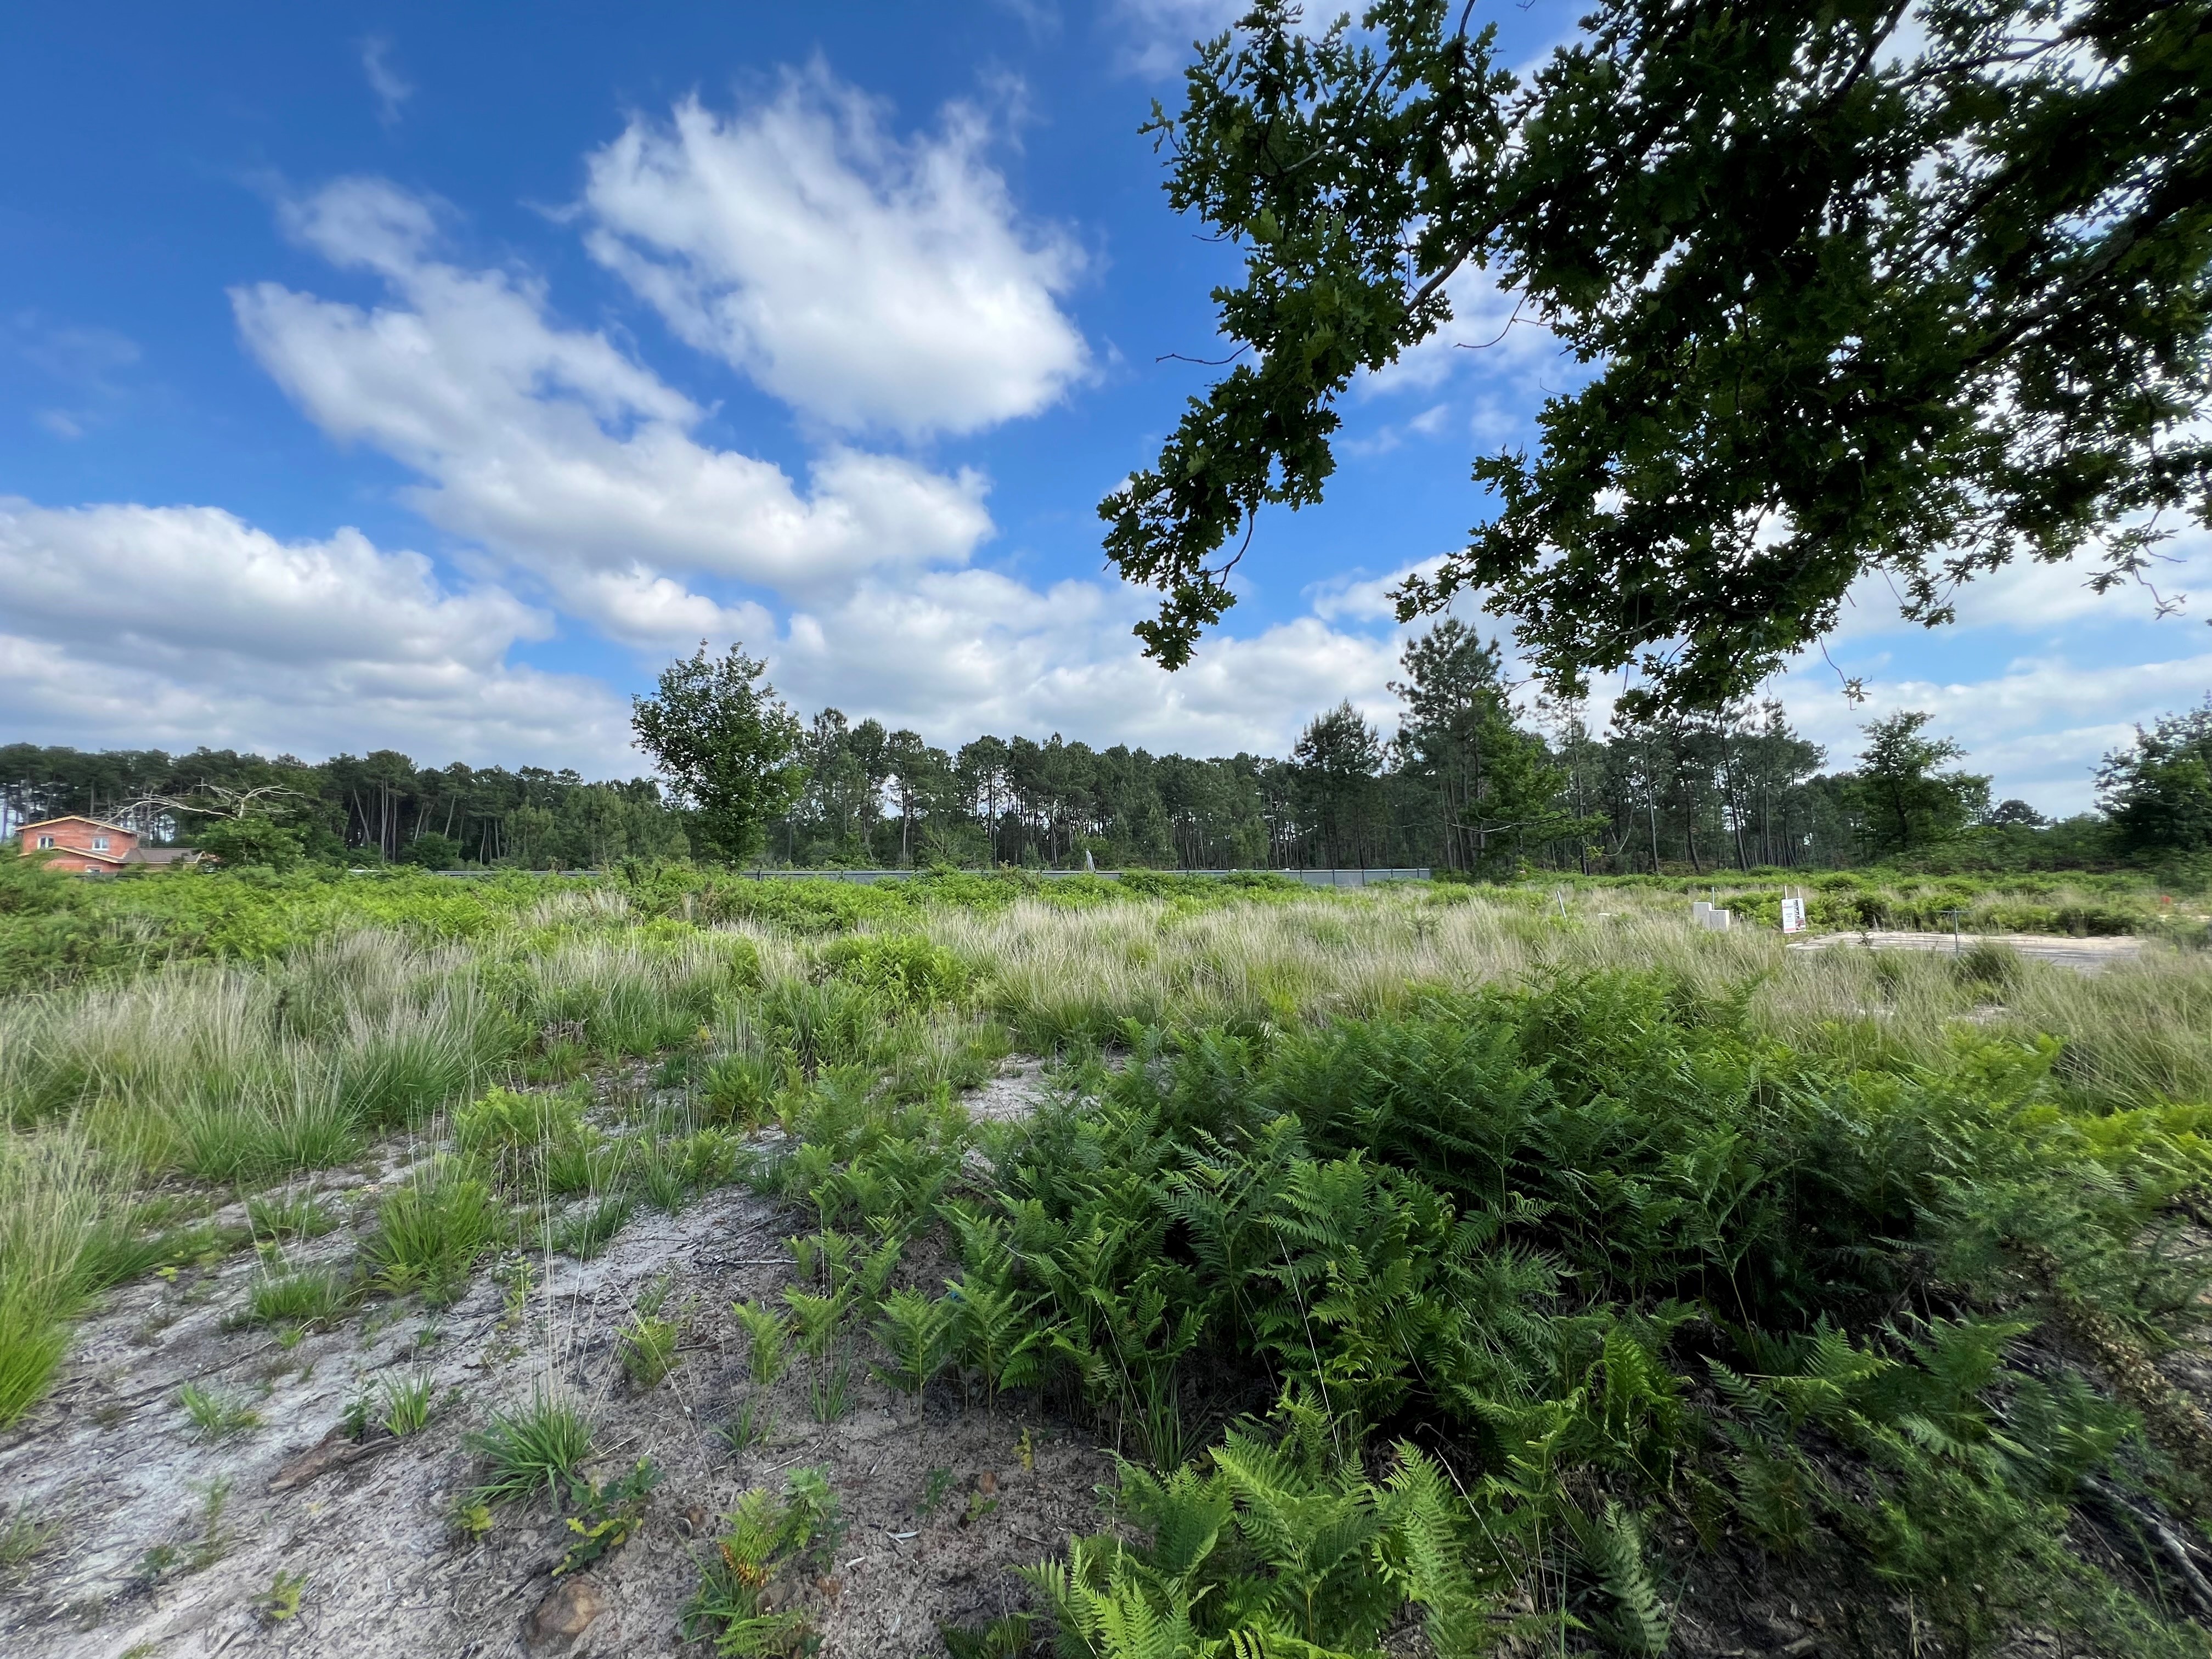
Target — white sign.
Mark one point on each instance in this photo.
(1793, 915)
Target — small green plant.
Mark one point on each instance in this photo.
(22, 1538)
(517, 1279)
(217, 1414)
(583, 1162)
(648, 1350)
(292, 1215)
(768, 1335)
(532, 1447)
(830, 1394)
(431, 1230)
(313, 1296)
(514, 1124)
(1627, 1610)
(751, 1426)
(814, 1320)
(915, 1329)
(764, 1539)
(934, 1485)
(586, 1235)
(980, 1503)
(281, 1601)
(407, 1404)
(1008, 1637)
(470, 1519)
(214, 1541)
(606, 1515)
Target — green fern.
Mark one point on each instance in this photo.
(766, 1333)
(915, 1330)
(1630, 1615)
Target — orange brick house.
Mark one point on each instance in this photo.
(92, 847)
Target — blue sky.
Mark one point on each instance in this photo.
(426, 376)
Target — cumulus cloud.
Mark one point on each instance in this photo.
(2038, 725)
(550, 445)
(2031, 596)
(183, 625)
(870, 283)
(954, 653)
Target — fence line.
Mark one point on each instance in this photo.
(1331, 877)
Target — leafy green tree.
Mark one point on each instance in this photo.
(432, 850)
(1339, 759)
(1904, 801)
(1854, 286)
(2158, 791)
(728, 749)
(1495, 788)
(252, 839)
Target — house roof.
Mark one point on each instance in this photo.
(109, 857)
(79, 817)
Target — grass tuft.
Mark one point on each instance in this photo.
(432, 1230)
(216, 1413)
(531, 1448)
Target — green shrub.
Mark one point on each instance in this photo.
(1502, 1214)
(216, 1413)
(904, 970)
(289, 1215)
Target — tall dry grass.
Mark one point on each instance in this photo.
(2139, 1031)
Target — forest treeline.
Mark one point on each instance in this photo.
(1469, 782)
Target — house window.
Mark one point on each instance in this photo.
(100, 843)
(45, 841)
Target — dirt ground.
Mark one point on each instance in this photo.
(2090, 955)
(167, 1544)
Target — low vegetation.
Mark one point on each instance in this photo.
(1513, 1263)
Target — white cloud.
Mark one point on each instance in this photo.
(1362, 598)
(2039, 727)
(1489, 332)
(2030, 596)
(958, 652)
(640, 608)
(870, 283)
(392, 89)
(182, 626)
(577, 468)
(1157, 36)
(551, 446)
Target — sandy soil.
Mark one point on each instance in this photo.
(111, 1457)
(2090, 956)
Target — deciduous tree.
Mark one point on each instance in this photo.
(1855, 285)
(2158, 790)
(728, 749)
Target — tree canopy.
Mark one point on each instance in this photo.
(727, 748)
(1906, 803)
(2159, 789)
(1856, 286)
